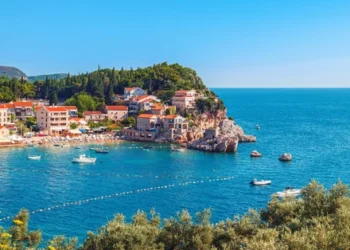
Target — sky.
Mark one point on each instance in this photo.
(229, 43)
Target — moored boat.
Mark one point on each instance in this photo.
(84, 159)
(34, 157)
(285, 157)
(102, 151)
(289, 191)
(255, 182)
(257, 127)
(255, 153)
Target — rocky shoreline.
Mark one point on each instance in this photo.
(224, 139)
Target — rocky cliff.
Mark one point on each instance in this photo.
(12, 72)
(225, 134)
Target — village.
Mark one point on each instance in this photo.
(154, 120)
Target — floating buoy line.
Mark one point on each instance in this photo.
(121, 194)
(142, 147)
(107, 174)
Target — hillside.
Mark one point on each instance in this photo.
(12, 72)
(43, 77)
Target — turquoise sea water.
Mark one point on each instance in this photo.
(312, 124)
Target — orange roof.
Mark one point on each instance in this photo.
(92, 113)
(37, 108)
(120, 107)
(140, 97)
(3, 106)
(70, 107)
(55, 109)
(146, 116)
(74, 119)
(170, 116)
(23, 104)
(129, 89)
(9, 105)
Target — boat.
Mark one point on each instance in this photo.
(84, 159)
(93, 149)
(255, 153)
(255, 182)
(257, 127)
(289, 191)
(147, 147)
(31, 145)
(285, 157)
(102, 151)
(77, 147)
(176, 149)
(65, 145)
(56, 145)
(34, 157)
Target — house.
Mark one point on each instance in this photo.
(23, 110)
(79, 121)
(148, 122)
(144, 102)
(95, 116)
(72, 110)
(175, 125)
(158, 109)
(184, 99)
(133, 92)
(53, 120)
(117, 113)
(4, 132)
(5, 116)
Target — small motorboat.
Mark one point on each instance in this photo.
(285, 157)
(257, 127)
(93, 149)
(31, 145)
(84, 159)
(56, 145)
(34, 157)
(147, 147)
(77, 147)
(65, 145)
(255, 153)
(102, 151)
(255, 182)
(289, 191)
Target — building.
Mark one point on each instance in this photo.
(95, 116)
(158, 109)
(53, 120)
(23, 110)
(4, 132)
(148, 122)
(5, 116)
(175, 125)
(117, 113)
(72, 111)
(76, 120)
(184, 99)
(133, 92)
(144, 102)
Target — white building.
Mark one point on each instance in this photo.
(147, 122)
(23, 110)
(144, 102)
(175, 125)
(117, 113)
(133, 92)
(184, 99)
(53, 120)
(95, 116)
(5, 116)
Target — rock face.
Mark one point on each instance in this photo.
(227, 140)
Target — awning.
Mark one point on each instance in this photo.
(74, 131)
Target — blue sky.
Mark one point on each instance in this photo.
(229, 43)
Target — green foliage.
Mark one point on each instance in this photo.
(73, 125)
(83, 102)
(130, 121)
(104, 123)
(30, 122)
(230, 118)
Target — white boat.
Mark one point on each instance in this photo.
(289, 191)
(65, 145)
(255, 153)
(34, 157)
(257, 127)
(84, 159)
(255, 182)
(175, 149)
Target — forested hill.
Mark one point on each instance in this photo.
(160, 79)
(50, 76)
(12, 72)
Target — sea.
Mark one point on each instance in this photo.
(71, 199)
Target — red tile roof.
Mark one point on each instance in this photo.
(70, 107)
(3, 106)
(146, 116)
(129, 89)
(23, 104)
(92, 113)
(55, 109)
(170, 116)
(9, 105)
(117, 108)
(77, 119)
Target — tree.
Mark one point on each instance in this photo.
(53, 98)
(73, 125)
